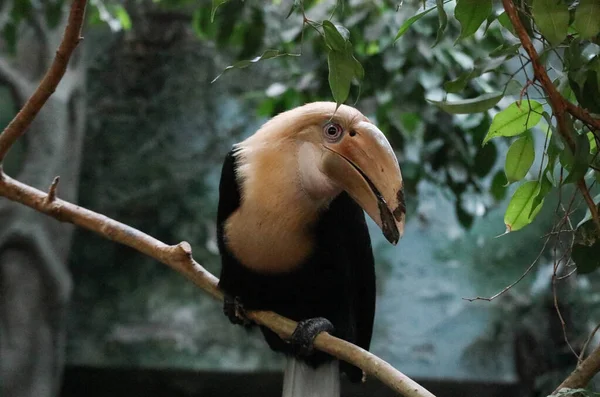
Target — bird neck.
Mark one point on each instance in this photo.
(272, 230)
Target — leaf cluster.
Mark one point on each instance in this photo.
(338, 43)
(48, 14)
(568, 33)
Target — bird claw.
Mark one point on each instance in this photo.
(305, 333)
(235, 311)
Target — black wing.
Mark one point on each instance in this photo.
(360, 272)
(229, 201)
(363, 272)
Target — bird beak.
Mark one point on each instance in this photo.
(365, 166)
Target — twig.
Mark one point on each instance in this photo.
(567, 275)
(559, 313)
(589, 201)
(71, 38)
(178, 257)
(587, 342)
(491, 298)
(560, 106)
(52, 190)
(583, 115)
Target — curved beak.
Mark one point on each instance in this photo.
(365, 166)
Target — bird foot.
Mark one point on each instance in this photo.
(305, 333)
(235, 311)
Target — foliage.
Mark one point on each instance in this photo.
(19, 11)
(399, 76)
(568, 34)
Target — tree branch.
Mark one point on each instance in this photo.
(71, 38)
(178, 257)
(583, 115)
(583, 373)
(560, 106)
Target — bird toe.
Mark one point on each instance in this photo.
(235, 311)
(305, 333)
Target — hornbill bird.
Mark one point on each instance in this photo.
(292, 233)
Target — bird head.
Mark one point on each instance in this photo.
(340, 149)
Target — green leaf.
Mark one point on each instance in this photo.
(491, 18)
(552, 19)
(588, 214)
(580, 163)
(545, 188)
(54, 12)
(464, 217)
(555, 147)
(216, 4)
(484, 160)
(482, 65)
(506, 49)
(114, 15)
(587, 18)
(341, 73)
(519, 158)
(123, 17)
(296, 4)
(268, 54)
(409, 22)
(471, 14)
(584, 78)
(473, 105)
(443, 20)
(459, 83)
(336, 36)
(586, 258)
(515, 119)
(498, 188)
(506, 23)
(593, 146)
(9, 34)
(359, 71)
(520, 211)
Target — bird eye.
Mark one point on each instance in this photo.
(333, 131)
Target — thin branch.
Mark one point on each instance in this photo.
(178, 257)
(560, 106)
(567, 275)
(537, 258)
(23, 119)
(589, 201)
(587, 342)
(52, 190)
(583, 373)
(560, 316)
(583, 115)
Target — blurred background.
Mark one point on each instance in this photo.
(137, 132)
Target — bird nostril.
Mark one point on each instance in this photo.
(352, 132)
